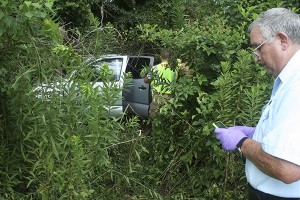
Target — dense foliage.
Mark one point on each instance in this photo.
(64, 145)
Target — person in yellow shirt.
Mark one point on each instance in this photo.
(162, 77)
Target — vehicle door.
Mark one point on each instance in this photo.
(137, 97)
(117, 64)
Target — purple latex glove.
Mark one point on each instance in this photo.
(229, 138)
(247, 130)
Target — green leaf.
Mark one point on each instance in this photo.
(137, 155)
(8, 20)
(29, 14)
(49, 5)
(27, 76)
(2, 29)
(37, 5)
(54, 149)
(1, 14)
(44, 119)
(42, 15)
(84, 194)
(28, 3)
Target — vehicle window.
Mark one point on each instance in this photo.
(115, 64)
(135, 66)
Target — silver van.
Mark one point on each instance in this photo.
(136, 97)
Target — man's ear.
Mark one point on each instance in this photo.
(285, 41)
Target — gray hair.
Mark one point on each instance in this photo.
(278, 20)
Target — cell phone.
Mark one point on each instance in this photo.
(219, 124)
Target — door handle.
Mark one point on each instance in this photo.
(142, 87)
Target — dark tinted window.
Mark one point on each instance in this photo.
(135, 66)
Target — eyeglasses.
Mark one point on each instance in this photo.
(259, 47)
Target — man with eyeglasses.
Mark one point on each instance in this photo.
(272, 149)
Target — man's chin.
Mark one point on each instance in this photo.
(271, 72)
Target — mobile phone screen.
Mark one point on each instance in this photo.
(219, 124)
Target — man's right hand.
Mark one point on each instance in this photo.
(146, 79)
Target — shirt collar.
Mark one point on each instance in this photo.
(289, 70)
(291, 67)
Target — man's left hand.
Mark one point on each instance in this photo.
(229, 138)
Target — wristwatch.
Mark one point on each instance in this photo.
(240, 144)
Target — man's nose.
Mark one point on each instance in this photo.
(257, 59)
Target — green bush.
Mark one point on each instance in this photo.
(55, 129)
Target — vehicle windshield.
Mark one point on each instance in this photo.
(115, 64)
